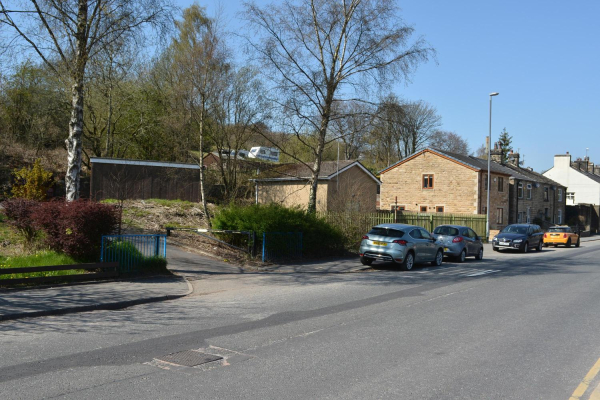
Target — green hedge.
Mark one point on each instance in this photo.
(318, 237)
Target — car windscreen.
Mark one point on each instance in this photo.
(521, 230)
(558, 230)
(386, 232)
(446, 230)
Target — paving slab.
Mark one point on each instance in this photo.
(16, 303)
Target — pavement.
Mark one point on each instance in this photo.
(17, 303)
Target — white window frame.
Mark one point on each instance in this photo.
(559, 196)
(528, 215)
(520, 191)
(529, 191)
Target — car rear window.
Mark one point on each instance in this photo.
(446, 230)
(558, 230)
(386, 232)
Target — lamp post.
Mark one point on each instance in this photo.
(489, 174)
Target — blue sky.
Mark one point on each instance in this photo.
(543, 57)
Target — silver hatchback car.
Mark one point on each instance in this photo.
(459, 242)
(402, 244)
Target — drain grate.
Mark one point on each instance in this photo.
(189, 358)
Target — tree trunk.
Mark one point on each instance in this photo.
(74, 143)
(314, 182)
(201, 163)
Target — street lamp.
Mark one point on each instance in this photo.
(489, 174)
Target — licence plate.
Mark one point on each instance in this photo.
(503, 244)
(376, 243)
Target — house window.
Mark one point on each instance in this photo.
(559, 216)
(423, 208)
(500, 184)
(559, 196)
(439, 209)
(485, 179)
(545, 193)
(520, 190)
(428, 181)
(528, 215)
(500, 216)
(399, 208)
(546, 212)
(571, 197)
(529, 191)
(484, 210)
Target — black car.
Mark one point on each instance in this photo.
(519, 236)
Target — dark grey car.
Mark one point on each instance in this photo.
(459, 242)
(522, 237)
(402, 244)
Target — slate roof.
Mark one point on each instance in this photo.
(478, 164)
(329, 169)
(533, 176)
(595, 178)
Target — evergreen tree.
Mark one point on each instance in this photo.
(504, 141)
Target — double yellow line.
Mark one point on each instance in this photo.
(585, 383)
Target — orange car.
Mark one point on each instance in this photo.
(561, 235)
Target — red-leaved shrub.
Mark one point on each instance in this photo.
(19, 213)
(76, 228)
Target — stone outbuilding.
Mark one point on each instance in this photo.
(342, 186)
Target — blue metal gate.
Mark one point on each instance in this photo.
(281, 245)
(133, 251)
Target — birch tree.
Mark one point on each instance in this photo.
(199, 61)
(318, 52)
(65, 35)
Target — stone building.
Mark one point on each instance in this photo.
(432, 180)
(534, 198)
(343, 186)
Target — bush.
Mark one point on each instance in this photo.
(32, 183)
(19, 213)
(129, 254)
(318, 237)
(76, 228)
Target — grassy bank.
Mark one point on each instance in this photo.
(45, 258)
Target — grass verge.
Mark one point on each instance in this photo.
(45, 258)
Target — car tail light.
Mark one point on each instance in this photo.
(400, 242)
(545, 235)
(564, 235)
(361, 254)
(365, 237)
(457, 239)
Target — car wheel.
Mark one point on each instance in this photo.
(462, 256)
(408, 263)
(479, 255)
(366, 260)
(555, 245)
(525, 247)
(494, 248)
(539, 247)
(439, 258)
(578, 243)
(546, 245)
(568, 243)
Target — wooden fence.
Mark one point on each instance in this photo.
(356, 223)
(102, 271)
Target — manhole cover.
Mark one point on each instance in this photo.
(189, 358)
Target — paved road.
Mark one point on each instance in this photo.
(512, 327)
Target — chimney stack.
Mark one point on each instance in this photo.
(513, 158)
(497, 154)
(596, 170)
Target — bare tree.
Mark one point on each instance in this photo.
(320, 52)
(481, 152)
(352, 127)
(65, 35)
(420, 122)
(449, 141)
(386, 135)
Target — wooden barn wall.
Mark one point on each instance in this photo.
(121, 181)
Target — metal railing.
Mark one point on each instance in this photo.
(251, 237)
(281, 246)
(133, 251)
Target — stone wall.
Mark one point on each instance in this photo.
(291, 193)
(537, 206)
(355, 191)
(499, 196)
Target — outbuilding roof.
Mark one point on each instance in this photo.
(299, 171)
